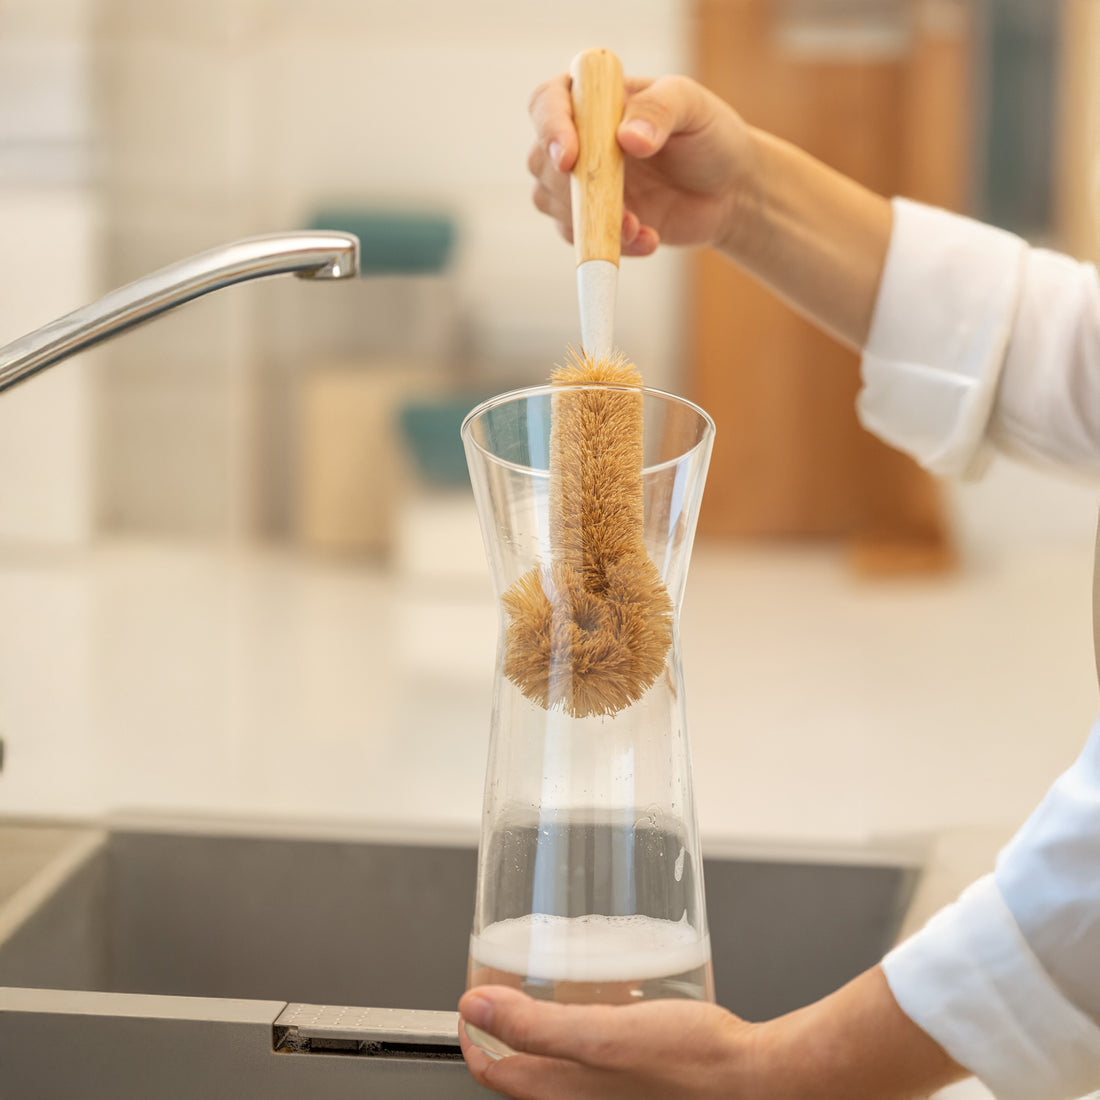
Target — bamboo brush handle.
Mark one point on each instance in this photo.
(597, 183)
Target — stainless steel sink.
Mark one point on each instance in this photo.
(138, 962)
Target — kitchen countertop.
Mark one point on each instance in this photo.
(184, 679)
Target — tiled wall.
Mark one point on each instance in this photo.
(222, 118)
(49, 234)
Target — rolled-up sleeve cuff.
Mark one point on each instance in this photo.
(938, 336)
(969, 980)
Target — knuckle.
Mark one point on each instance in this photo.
(545, 92)
(604, 1043)
(481, 1069)
(489, 1072)
(660, 114)
(521, 1031)
(605, 1053)
(677, 84)
(512, 1076)
(482, 1073)
(536, 96)
(670, 89)
(545, 202)
(659, 101)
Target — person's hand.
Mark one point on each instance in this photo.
(687, 154)
(657, 1049)
(855, 1043)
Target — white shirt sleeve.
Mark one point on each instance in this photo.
(979, 344)
(938, 338)
(1006, 978)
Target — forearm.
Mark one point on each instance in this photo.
(855, 1043)
(813, 236)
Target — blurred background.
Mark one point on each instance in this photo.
(240, 571)
(242, 584)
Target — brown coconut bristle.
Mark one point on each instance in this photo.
(590, 630)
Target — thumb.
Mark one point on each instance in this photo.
(656, 112)
(527, 1026)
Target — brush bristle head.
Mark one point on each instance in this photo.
(590, 631)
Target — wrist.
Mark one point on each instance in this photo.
(855, 1043)
(747, 225)
(815, 237)
(789, 1061)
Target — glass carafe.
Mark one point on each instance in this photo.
(590, 881)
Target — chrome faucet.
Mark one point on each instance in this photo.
(307, 255)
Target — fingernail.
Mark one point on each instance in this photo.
(477, 1011)
(643, 128)
(555, 152)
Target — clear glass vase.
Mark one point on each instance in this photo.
(590, 881)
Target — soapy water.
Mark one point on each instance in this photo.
(594, 958)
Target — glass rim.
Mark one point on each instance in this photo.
(550, 388)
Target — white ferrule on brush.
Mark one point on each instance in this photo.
(597, 194)
(597, 285)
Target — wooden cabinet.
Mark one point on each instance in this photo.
(879, 90)
(1078, 196)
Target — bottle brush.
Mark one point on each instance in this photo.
(590, 629)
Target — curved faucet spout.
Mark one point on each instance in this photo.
(307, 255)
